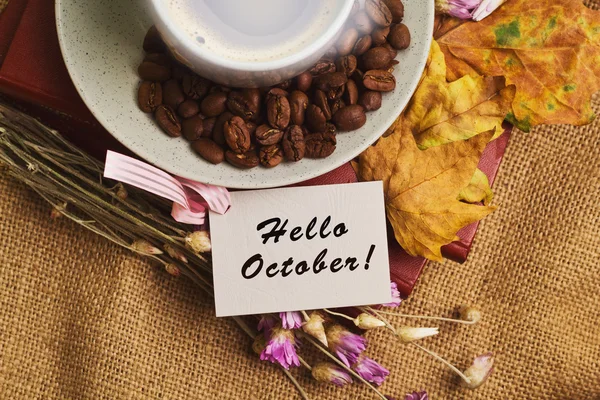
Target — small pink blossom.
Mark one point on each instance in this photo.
(291, 319)
(346, 345)
(480, 370)
(370, 370)
(281, 348)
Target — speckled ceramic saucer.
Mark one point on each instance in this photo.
(101, 42)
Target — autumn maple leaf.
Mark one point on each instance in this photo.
(441, 112)
(549, 49)
(422, 188)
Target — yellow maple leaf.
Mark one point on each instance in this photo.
(479, 190)
(549, 49)
(441, 112)
(422, 188)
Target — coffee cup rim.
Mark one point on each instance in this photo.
(254, 66)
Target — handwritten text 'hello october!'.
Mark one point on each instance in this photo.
(255, 264)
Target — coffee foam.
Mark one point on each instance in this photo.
(253, 30)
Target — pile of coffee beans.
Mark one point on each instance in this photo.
(297, 118)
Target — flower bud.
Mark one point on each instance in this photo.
(314, 327)
(409, 334)
(121, 191)
(469, 314)
(367, 321)
(198, 242)
(144, 247)
(462, 9)
(173, 269)
(175, 253)
(486, 8)
(479, 371)
(327, 372)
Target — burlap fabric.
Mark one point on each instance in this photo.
(82, 319)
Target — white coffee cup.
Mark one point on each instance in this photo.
(244, 66)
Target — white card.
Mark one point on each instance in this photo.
(256, 271)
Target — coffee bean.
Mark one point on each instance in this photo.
(167, 120)
(376, 58)
(370, 100)
(193, 128)
(246, 160)
(378, 12)
(362, 45)
(346, 64)
(219, 88)
(149, 96)
(303, 81)
(188, 109)
(351, 94)
(323, 66)
(336, 93)
(194, 86)
(293, 143)
(350, 118)
(236, 135)
(158, 58)
(399, 36)
(393, 51)
(298, 103)
(208, 124)
(209, 150)
(267, 135)
(396, 8)
(271, 156)
(337, 105)
(172, 94)
(332, 53)
(244, 104)
(150, 71)
(278, 112)
(321, 101)
(218, 134)
(332, 80)
(330, 129)
(276, 92)
(380, 35)
(153, 42)
(315, 118)
(214, 104)
(253, 101)
(346, 42)
(363, 23)
(380, 81)
(320, 145)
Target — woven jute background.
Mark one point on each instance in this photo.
(82, 319)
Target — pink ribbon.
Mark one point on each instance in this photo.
(190, 199)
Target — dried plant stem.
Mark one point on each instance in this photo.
(443, 361)
(349, 318)
(303, 362)
(427, 317)
(296, 383)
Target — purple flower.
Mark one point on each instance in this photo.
(396, 300)
(370, 371)
(480, 370)
(266, 323)
(462, 9)
(346, 345)
(281, 348)
(291, 319)
(327, 372)
(417, 396)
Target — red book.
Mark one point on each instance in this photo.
(34, 77)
